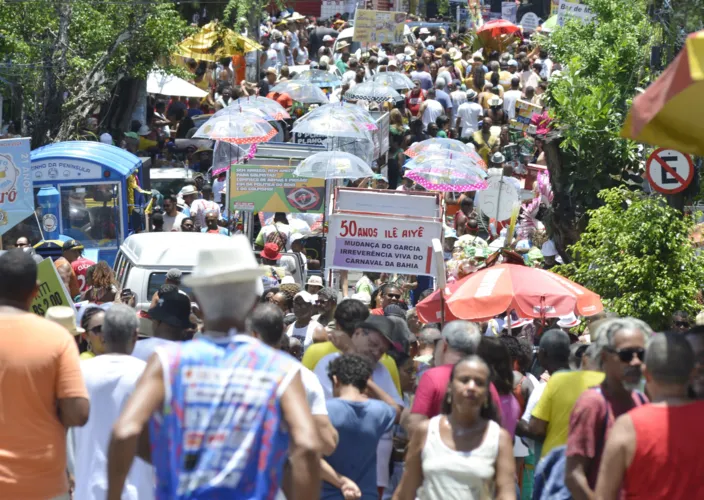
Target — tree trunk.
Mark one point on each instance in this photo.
(562, 224)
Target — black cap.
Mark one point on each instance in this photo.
(395, 310)
(173, 308)
(384, 326)
(71, 245)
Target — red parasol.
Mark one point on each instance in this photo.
(428, 309)
(496, 28)
(531, 292)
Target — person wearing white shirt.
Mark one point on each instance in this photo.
(110, 379)
(511, 97)
(349, 77)
(529, 78)
(468, 115)
(546, 63)
(266, 323)
(430, 109)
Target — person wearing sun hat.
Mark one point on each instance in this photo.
(568, 322)
(270, 257)
(66, 317)
(314, 284)
(224, 360)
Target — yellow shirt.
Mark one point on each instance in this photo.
(557, 401)
(318, 351)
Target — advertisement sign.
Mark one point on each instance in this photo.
(530, 22)
(508, 11)
(380, 244)
(16, 195)
(274, 189)
(377, 26)
(66, 170)
(524, 112)
(52, 291)
(573, 10)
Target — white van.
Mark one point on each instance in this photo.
(144, 259)
(348, 33)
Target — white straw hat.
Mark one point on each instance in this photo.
(230, 260)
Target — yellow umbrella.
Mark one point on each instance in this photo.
(668, 114)
(214, 42)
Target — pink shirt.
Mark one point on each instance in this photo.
(432, 388)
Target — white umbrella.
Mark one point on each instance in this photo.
(333, 165)
(162, 83)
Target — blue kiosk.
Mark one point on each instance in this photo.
(83, 191)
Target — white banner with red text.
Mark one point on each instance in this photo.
(382, 244)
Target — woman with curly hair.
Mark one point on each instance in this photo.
(103, 286)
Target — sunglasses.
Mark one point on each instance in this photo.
(626, 355)
(393, 296)
(682, 324)
(96, 329)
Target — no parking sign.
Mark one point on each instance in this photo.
(669, 171)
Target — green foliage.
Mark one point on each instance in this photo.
(605, 62)
(81, 49)
(636, 254)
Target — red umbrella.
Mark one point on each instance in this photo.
(428, 309)
(496, 28)
(531, 292)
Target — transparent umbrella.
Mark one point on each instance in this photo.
(446, 171)
(438, 144)
(266, 108)
(237, 128)
(319, 77)
(335, 120)
(301, 91)
(397, 81)
(373, 91)
(333, 165)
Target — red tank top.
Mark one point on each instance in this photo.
(668, 461)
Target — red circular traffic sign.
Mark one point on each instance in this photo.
(668, 171)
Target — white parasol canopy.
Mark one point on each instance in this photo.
(162, 83)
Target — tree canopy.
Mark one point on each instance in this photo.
(636, 254)
(604, 62)
(61, 59)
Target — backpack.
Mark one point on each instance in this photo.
(277, 237)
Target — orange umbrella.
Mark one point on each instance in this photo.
(668, 114)
(429, 308)
(531, 292)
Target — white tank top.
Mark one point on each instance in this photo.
(304, 334)
(432, 111)
(456, 475)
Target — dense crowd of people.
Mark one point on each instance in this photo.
(295, 391)
(261, 381)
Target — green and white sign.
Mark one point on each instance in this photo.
(52, 291)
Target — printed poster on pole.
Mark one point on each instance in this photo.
(51, 290)
(273, 188)
(16, 194)
(378, 26)
(379, 244)
(573, 10)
